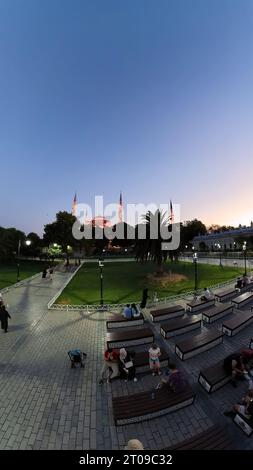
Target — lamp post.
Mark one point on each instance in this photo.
(101, 265)
(219, 249)
(245, 257)
(28, 243)
(195, 257)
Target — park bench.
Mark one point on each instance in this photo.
(246, 288)
(198, 344)
(214, 377)
(123, 339)
(118, 321)
(167, 313)
(196, 305)
(246, 424)
(180, 326)
(216, 312)
(243, 299)
(141, 360)
(214, 438)
(150, 404)
(226, 294)
(237, 322)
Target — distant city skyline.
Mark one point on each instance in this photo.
(153, 99)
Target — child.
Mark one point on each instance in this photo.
(154, 362)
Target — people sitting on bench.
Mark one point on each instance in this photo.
(238, 283)
(154, 361)
(207, 294)
(245, 408)
(127, 312)
(245, 280)
(234, 366)
(176, 381)
(135, 311)
(126, 365)
(111, 363)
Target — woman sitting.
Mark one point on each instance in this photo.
(135, 311)
(126, 365)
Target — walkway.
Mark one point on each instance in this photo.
(44, 404)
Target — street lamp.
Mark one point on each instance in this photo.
(195, 257)
(101, 265)
(219, 249)
(28, 242)
(244, 247)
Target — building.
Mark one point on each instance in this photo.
(227, 240)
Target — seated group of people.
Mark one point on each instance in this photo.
(238, 366)
(118, 364)
(242, 281)
(131, 311)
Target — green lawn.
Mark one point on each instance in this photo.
(124, 282)
(8, 271)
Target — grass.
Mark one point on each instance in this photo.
(8, 271)
(124, 282)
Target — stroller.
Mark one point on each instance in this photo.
(76, 356)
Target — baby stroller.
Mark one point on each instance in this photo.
(76, 356)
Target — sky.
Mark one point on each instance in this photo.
(151, 98)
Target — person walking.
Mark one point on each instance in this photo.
(4, 315)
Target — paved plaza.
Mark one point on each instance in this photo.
(44, 404)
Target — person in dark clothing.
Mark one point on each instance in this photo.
(233, 365)
(144, 298)
(4, 315)
(126, 365)
(238, 283)
(44, 273)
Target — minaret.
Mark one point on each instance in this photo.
(74, 204)
(120, 209)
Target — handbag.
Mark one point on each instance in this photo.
(128, 364)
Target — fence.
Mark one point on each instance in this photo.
(118, 307)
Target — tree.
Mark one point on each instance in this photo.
(191, 229)
(151, 248)
(60, 232)
(10, 240)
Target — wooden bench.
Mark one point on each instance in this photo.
(118, 321)
(243, 299)
(167, 313)
(214, 438)
(247, 287)
(141, 406)
(180, 326)
(226, 294)
(237, 322)
(245, 424)
(198, 344)
(141, 360)
(214, 377)
(196, 305)
(216, 312)
(123, 339)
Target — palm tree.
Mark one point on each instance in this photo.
(151, 246)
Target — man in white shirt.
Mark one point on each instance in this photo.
(207, 294)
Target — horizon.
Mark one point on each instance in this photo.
(102, 98)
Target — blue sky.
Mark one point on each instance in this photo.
(153, 98)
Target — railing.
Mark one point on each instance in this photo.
(119, 307)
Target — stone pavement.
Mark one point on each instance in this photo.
(44, 404)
